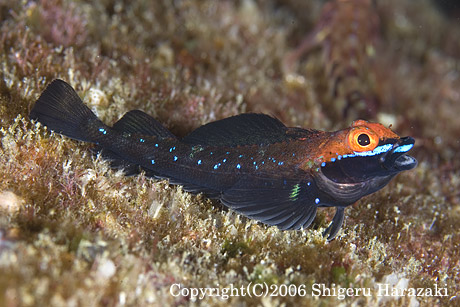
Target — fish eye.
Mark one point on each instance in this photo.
(364, 140)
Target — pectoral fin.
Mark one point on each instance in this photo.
(288, 204)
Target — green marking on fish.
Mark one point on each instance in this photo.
(295, 192)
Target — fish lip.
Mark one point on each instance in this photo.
(397, 158)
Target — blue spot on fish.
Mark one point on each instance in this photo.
(153, 161)
(317, 201)
(175, 158)
(238, 166)
(199, 162)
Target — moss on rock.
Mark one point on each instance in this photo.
(74, 231)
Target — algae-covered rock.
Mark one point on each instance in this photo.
(75, 232)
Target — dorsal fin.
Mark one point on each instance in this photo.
(136, 121)
(243, 129)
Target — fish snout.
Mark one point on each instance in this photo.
(397, 158)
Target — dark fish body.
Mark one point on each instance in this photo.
(252, 162)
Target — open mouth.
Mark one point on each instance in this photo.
(397, 159)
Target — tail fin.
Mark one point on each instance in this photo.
(61, 110)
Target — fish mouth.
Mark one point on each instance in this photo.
(397, 158)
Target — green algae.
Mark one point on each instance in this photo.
(232, 249)
(74, 231)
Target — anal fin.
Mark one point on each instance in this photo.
(117, 162)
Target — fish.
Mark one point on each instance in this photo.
(252, 163)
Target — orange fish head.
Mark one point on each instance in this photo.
(363, 151)
(361, 139)
(365, 136)
(360, 160)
